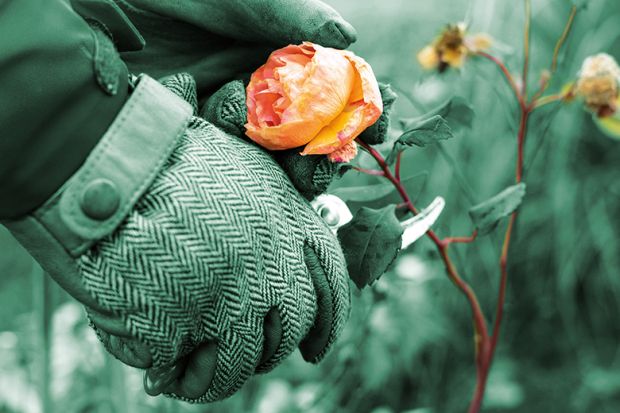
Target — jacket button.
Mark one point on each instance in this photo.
(100, 199)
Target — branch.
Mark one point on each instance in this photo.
(461, 240)
(507, 75)
(562, 39)
(480, 324)
(556, 53)
(526, 46)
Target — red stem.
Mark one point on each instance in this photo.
(480, 325)
(508, 77)
(368, 171)
(484, 369)
(461, 240)
(397, 166)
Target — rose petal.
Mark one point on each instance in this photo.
(345, 154)
(305, 102)
(338, 133)
(326, 90)
(284, 136)
(364, 108)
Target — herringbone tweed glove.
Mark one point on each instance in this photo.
(219, 243)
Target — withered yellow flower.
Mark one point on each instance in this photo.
(598, 83)
(451, 48)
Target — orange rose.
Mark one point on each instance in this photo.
(312, 95)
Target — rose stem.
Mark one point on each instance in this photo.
(481, 338)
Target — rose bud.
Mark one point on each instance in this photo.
(315, 96)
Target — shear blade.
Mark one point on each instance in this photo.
(416, 227)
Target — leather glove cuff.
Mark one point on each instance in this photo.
(96, 199)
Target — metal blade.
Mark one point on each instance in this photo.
(416, 227)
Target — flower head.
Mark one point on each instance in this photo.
(311, 95)
(451, 48)
(598, 82)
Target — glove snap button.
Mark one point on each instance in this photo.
(100, 199)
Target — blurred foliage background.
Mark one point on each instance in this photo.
(408, 346)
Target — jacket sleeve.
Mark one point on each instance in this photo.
(62, 84)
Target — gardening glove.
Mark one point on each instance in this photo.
(310, 174)
(217, 41)
(198, 243)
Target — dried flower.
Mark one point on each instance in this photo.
(451, 48)
(598, 82)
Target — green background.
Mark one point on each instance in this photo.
(408, 346)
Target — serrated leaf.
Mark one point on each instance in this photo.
(487, 215)
(424, 133)
(371, 242)
(456, 111)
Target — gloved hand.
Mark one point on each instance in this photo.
(312, 174)
(195, 256)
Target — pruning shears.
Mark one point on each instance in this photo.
(336, 214)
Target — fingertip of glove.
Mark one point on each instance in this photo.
(195, 379)
(226, 108)
(335, 32)
(272, 332)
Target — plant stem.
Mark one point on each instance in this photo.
(556, 53)
(507, 75)
(526, 47)
(562, 39)
(480, 325)
(545, 100)
(368, 171)
(461, 240)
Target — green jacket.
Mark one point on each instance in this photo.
(62, 85)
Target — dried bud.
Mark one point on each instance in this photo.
(598, 82)
(451, 48)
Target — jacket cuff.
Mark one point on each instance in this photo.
(98, 197)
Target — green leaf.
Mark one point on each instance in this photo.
(456, 111)
(487, 215)
(371, 242)
(424, 133)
